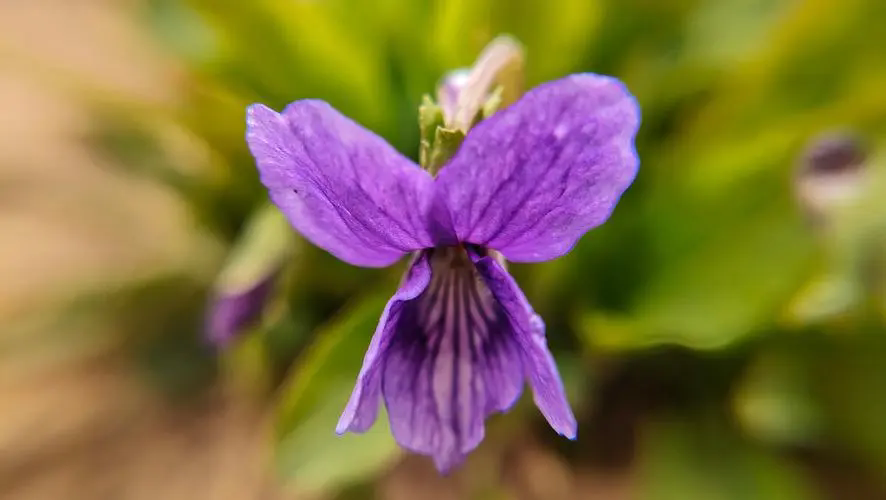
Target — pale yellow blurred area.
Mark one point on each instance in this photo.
(67, 218)
(74, 422)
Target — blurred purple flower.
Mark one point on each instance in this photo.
(831, 174)
(233, 311)
(244, 286)
(458, 340)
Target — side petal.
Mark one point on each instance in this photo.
(362, 407)
(530, 180)
(529, 331)
(341, 186)
(451, 363)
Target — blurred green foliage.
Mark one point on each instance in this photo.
(736, 337)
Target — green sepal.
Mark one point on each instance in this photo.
(430, 117)
(446, 143)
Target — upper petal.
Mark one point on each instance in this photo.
(341, 186)
(529, 332)
(530, 180)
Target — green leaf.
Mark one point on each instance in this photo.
(775, 400)
(849, 375)
(315, 460)
(310, 455)
(265, 244)
(134, 145)
(682, 460)
(182, 30)
(731, 29)
(548, 56)
(730, 285)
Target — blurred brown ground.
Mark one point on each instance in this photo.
(74, 422)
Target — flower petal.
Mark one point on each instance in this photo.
(449, 360)
(530, 180)
(452, 363)
(362, 408)
(529, 331)
(449, 90)
(341, 186)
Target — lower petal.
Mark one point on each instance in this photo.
(450, 364)
(529, 332)
(454, 345)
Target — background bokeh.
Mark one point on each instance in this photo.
(721, 337)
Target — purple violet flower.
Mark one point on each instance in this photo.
(248, 279)
(458, 340)
(231, 312)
